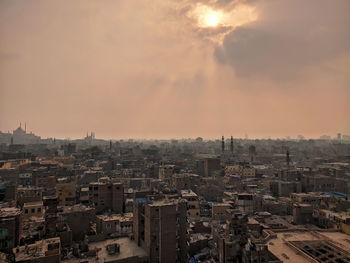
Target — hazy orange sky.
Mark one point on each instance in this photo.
(163, 68)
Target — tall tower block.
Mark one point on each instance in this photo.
(223, 144)
(287, 158)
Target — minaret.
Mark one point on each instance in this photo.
(223, 144)
(110, 145)
(288, 158)
(11, 140)
(252, 153)
(231, 145)
(25, 127)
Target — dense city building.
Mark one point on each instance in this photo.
(92, 200)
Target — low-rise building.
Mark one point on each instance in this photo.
(43, 251)
(10, 225)
(66, 193)
(302, 214)
(193, 208)
(115, 224)
(33, 209)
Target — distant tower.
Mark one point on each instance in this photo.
(110, 145)
(231, 145)
(54, 140)
(25, 127)
(288, 158)
(339, 136)
(11, 140)
(223, 144)
(252, 153)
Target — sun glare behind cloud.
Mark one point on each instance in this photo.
(212, 19)
(208, 17)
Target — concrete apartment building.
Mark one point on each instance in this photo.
(160, 228)
(66, 193)
(29, 194)
(241, 170)
(107, 196)
(248, 203)
(43, 251)
(280, 188)
(80, 219)
(115, 224)
(31, 209)
(166, 171)
(193, 209)
(10, 225)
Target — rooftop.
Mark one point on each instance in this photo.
(76, 208)
(188, 193)
(128, 249)
(38, 249)
(282, 247)
(162, 203)
(9, 212)
(30, 204)
(116, 217)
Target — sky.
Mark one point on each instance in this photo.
(175, 68)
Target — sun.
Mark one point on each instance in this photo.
(212, 19)
(207, 16)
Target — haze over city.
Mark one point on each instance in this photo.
(175, 131)
(175, 68)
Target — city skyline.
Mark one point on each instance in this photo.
(226, 136)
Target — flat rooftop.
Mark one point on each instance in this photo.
(162, 203)
(9, 212)
(38, 249)
(128, 249)
(116, 217)
(76, 208)
(31, 204)
(282, 245)
(188, 193)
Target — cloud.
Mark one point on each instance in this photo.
(287, 37)
(146, 69)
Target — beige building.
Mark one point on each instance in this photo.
(43, 251)
(309, 246)
(166, 171)
(243, 171)
(193, 209)
(218, 211)
(66, 193)
(33, 209)
(116, 224)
